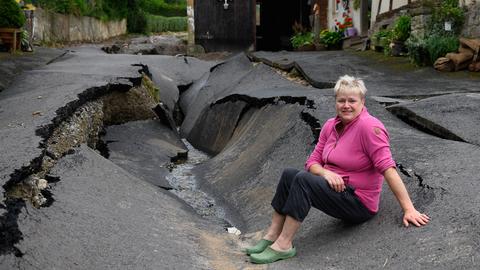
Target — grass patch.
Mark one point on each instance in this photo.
(158, 24)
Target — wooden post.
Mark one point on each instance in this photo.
(379, 7)
(191, 22)
(14, 41)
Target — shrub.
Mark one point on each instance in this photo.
(163, 24)
(383, 38)
(426, 51)
(301, 39)
(77, 7)
(331, 39)
(438, 46)
(137, 22)
(417, 51)
(401, 30)
(10, 14)
(169, 9)
(447, 11)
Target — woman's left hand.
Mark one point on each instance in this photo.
(416, 218)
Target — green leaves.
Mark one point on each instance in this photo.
(401, 30)
(331, 39)
(301, 39)
(11, 16)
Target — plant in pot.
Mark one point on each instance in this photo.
(302, 40)
(400, 33)
(332, 40)
(11, 20)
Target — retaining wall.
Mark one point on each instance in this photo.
(55, 27)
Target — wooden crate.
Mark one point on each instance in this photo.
(11, 37)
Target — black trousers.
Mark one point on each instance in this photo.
(298, 191)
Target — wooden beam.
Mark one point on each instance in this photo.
(391, 5)
(379, 7)
(191, 22)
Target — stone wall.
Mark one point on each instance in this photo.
(418, 25)
(55, 27)
(471, 28)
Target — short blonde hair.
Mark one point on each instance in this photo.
(350, 83)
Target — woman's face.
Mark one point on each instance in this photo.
(349, 105)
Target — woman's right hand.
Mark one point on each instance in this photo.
(334, 180)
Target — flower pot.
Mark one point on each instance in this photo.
(398, 48)
(306, 47)
(320, 47)
(351, 32)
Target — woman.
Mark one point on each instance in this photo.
(343, 176)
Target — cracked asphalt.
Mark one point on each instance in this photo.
(108, 214)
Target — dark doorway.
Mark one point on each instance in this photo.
(224, 24)
(274, 25)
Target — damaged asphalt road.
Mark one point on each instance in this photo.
(117, 214)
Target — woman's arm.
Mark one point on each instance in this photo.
(410, 214)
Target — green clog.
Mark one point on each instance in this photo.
(259, 247)
(269, 255)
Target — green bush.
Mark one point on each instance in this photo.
(301, 39)
(417, 51)
(424, 52)
(159, 7)
(10, 14)
(401, 30)
(331, 39)
(77, 7)
(158, 24)
(137, 22)
(439, 46)
(447, 11)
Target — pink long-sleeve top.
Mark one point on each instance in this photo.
(360, 154)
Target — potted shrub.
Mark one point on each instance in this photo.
(303, 41)
(11, 20)
(331, 39)
(400, 33)
(381, 40)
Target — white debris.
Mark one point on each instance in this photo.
(234, 230)
(42, 184)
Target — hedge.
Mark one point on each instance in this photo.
(158, 24)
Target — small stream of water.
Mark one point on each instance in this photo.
(185, 186)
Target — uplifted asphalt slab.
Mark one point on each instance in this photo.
(105, 218)
(145, 154)
(322, 69)
(236, 78)
(454, 116)
(34, 100)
